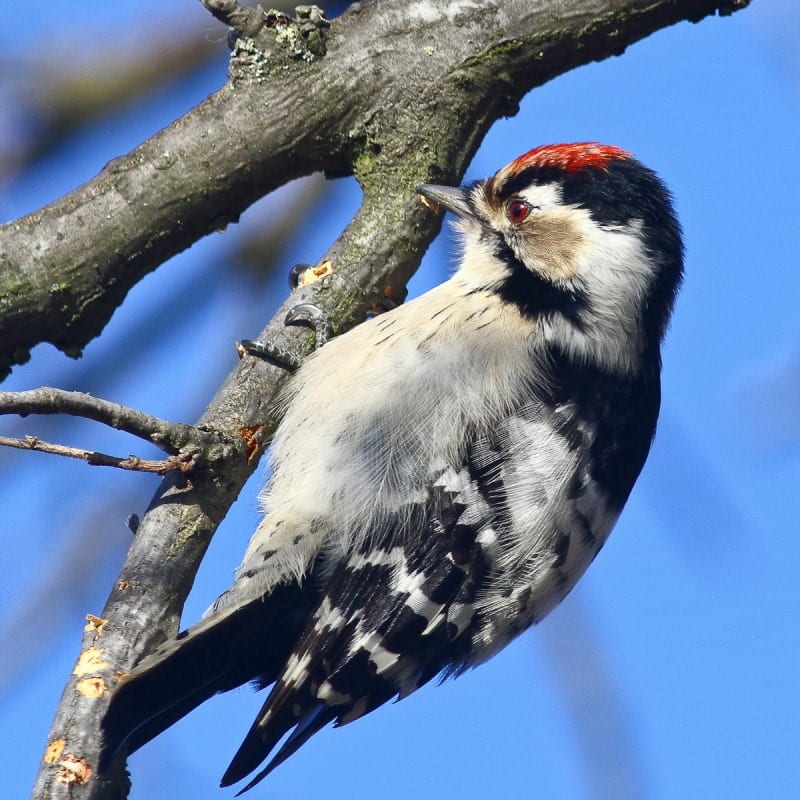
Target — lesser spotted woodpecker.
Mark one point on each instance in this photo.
(474, 450)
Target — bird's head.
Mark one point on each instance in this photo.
(583, 239)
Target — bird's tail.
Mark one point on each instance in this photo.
(227, 649)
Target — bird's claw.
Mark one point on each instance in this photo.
(305, 314)
(311, 316)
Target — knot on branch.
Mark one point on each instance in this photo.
(263, 41)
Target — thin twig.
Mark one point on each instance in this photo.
(171, 437)
(184, 462)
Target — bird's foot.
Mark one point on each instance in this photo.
(311, 316)
(305, 314)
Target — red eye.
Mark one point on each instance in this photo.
(518, 210)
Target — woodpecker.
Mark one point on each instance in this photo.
(445, 472)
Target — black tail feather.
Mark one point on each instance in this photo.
(260, 740)
(227, 649)
(313, 722)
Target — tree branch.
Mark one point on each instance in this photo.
(168, 436)
(401, 97)
(421, 91)
(182, 463)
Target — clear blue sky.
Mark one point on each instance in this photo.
(672, 671)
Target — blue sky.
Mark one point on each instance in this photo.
(671, 671)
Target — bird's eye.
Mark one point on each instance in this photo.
(518, 210)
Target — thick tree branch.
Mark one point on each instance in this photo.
(400, 97)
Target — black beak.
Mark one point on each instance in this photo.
(450, 198)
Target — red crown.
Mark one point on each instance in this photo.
(569, 157)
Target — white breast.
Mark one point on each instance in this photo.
(374, 414)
